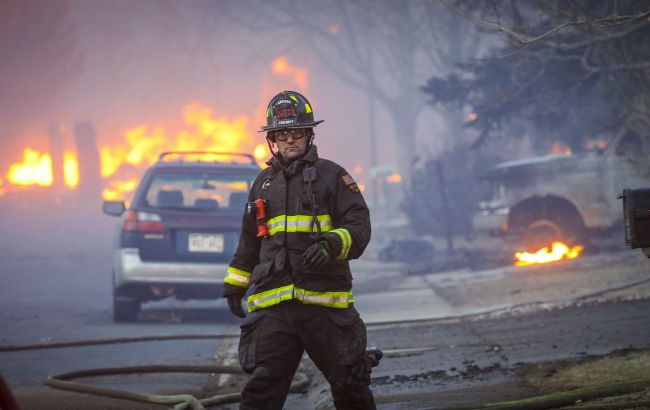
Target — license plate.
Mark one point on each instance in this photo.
(201, 242)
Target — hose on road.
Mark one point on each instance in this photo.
(181, 401)
(185, 401)
(578, 398)
(96, 342)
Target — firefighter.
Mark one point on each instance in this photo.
(304, 220)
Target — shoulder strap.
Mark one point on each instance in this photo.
(310, 175)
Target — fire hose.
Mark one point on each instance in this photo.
(180, 401)
(300, 382)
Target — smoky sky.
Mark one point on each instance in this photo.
(139, 63)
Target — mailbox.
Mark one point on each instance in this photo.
(636, 216)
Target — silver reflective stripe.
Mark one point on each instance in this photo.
(275, 296)
(237, 277)
(276, 224)
(298, 223)
(269, 298)
(331, 299)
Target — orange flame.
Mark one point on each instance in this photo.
(35, 169)
(122, 164)
(143, 145)
(118, 190)
(596, 144)
(299, 75)
(559, 148)
(70, 169)
(394, 178)
(558, 252)
(260, 153)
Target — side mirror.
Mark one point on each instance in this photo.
(114, 208)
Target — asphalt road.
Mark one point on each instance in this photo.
(55, 286)
(474, 352)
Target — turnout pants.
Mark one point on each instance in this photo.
(274, 339)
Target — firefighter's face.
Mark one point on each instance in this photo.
(292, 144)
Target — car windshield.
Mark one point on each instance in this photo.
(199, 192)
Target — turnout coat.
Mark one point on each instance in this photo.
(309, 200)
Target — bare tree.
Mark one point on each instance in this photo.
(565, 16)
(386, 48)
(572, 68)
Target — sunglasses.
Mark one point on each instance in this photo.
(284, 135)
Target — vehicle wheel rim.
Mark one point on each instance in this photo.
(540, 234)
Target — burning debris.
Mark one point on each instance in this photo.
(34, 169)
(557, 251)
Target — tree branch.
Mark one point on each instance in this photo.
(525, 40)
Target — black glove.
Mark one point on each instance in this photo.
(360, 372)
(317, 255)
(234, 304)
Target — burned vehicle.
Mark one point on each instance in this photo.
(567, 198)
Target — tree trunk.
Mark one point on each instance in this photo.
(404, 119)
(446, 210)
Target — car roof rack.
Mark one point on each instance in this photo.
(183, 154)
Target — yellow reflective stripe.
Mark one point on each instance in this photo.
(276, 224)
(302, 223)
(330, 299)
(293, 97)
(325, 222)
(237, 277)
(339, 300)
(269, 298)
(307, 108)
(298, 223)
(346, 241)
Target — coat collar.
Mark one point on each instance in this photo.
(278, 164)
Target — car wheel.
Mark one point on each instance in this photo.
(125, 309)
(540, 234)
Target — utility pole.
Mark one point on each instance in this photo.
(56, 153)
(372, 140)
(90, 180)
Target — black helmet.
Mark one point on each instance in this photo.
(289, 109)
